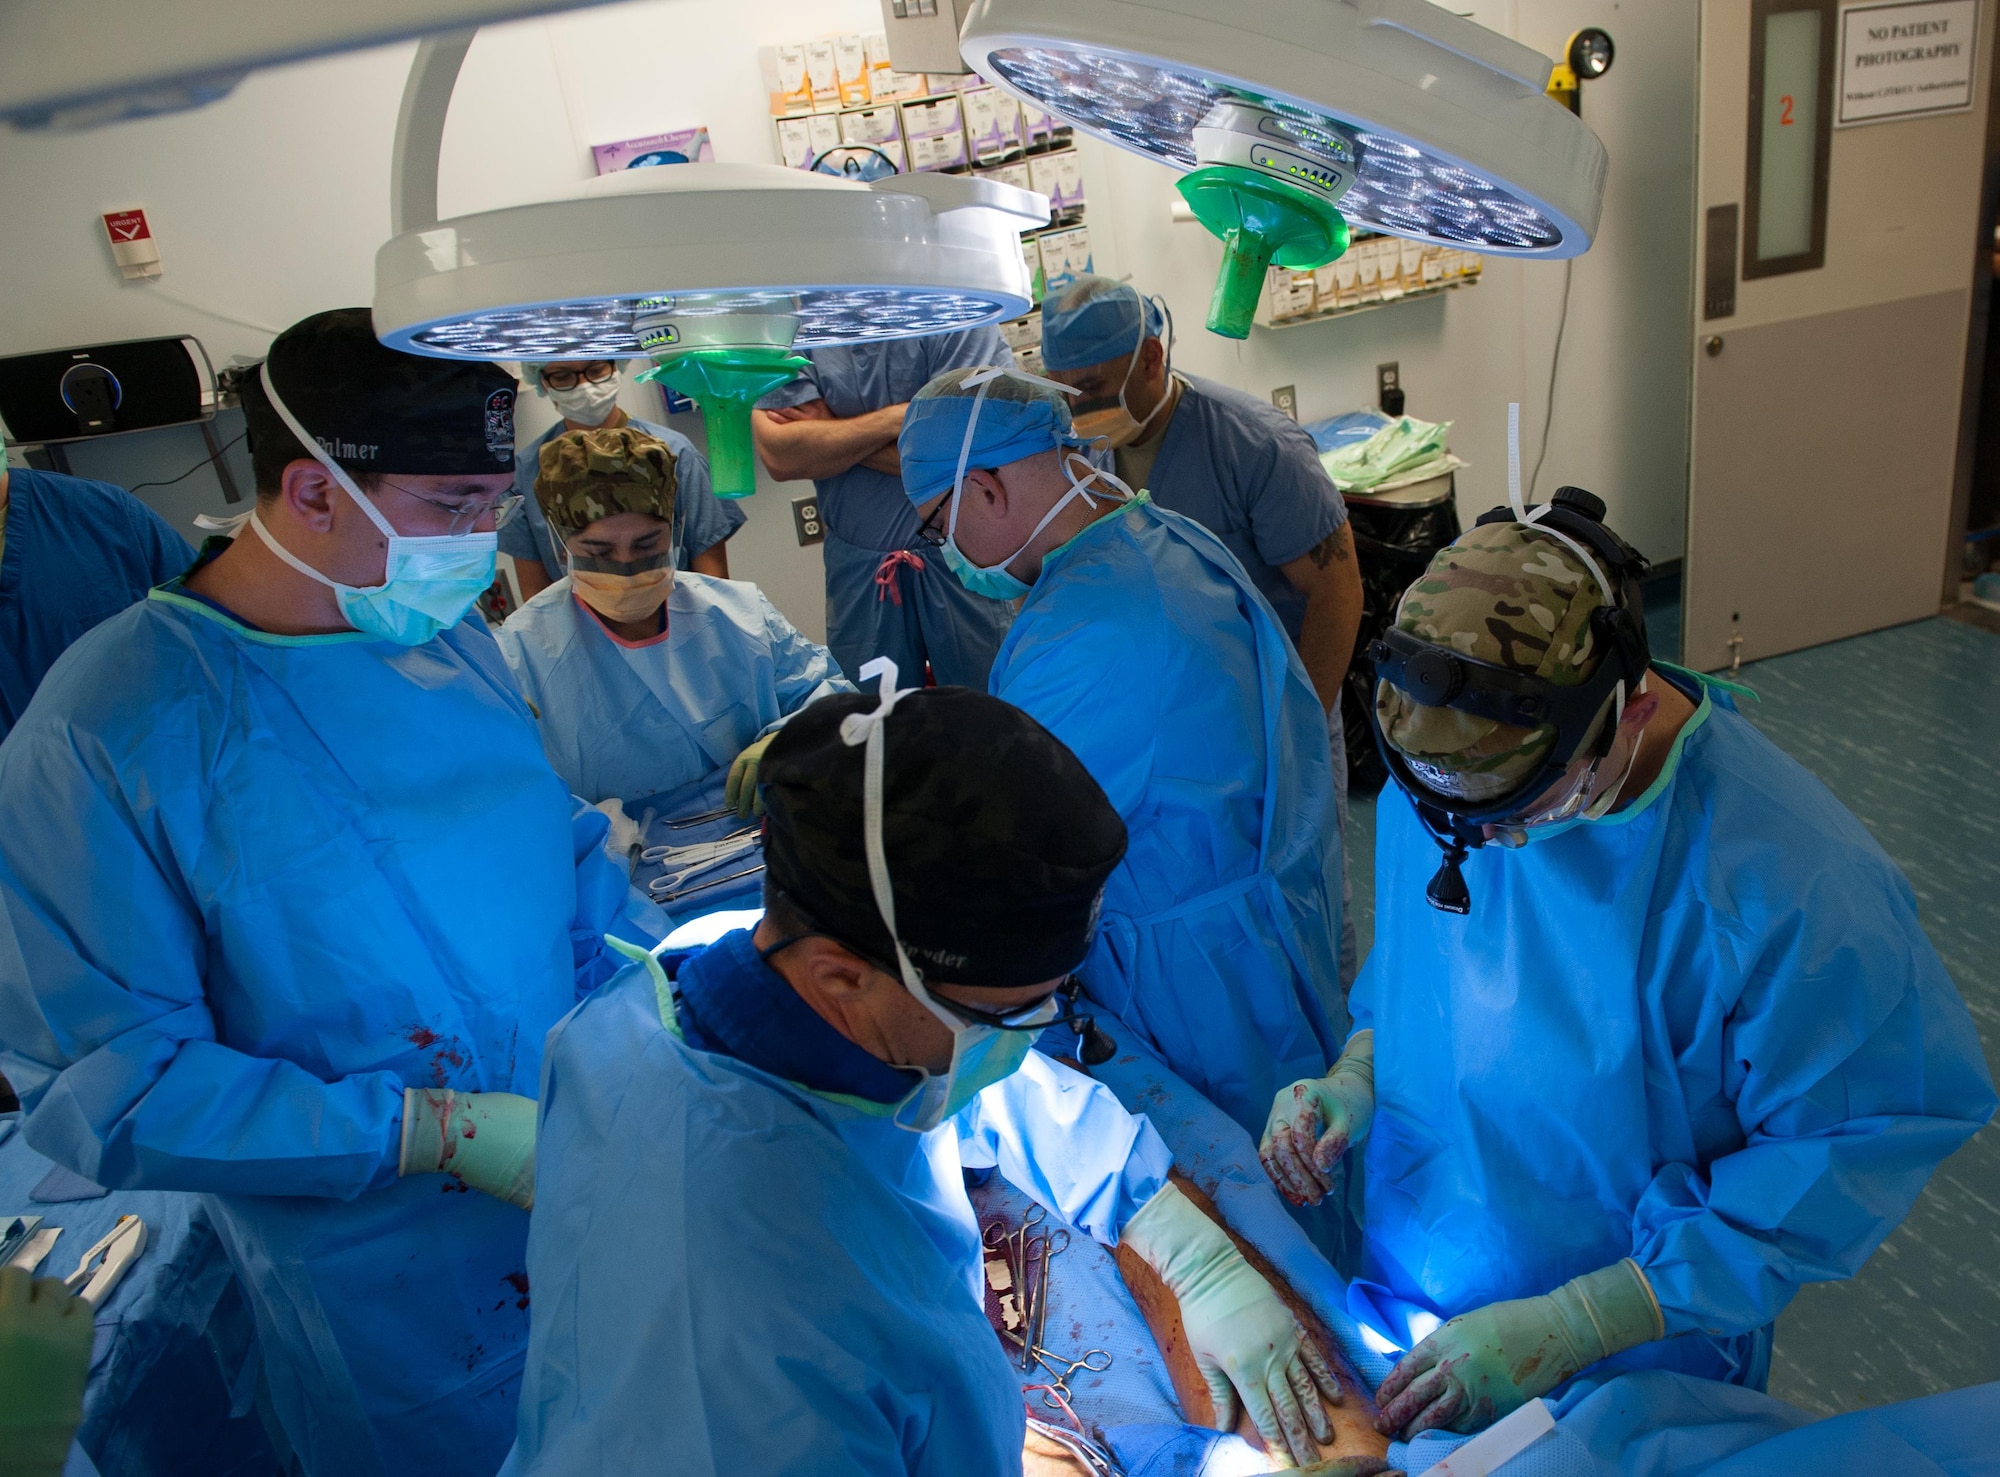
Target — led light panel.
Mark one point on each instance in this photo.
(604, 328)
(1402, 188)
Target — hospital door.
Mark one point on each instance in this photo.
(1837, 202)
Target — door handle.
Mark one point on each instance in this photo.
(1713, 344)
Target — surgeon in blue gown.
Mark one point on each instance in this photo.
(886, 595)
(1236, 465)
(643, 679)
(753, 1250)
(73, 553)
(289, 896)
(1144, 646)
(585, 392)
(1684, 1049)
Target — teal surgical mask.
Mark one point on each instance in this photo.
(428, 583)
(993, 580)
(980, 1057)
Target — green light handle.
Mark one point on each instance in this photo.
(732, 456)
(1260, 219)
(1246, 257)
(726, 383)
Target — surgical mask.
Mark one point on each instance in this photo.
(428, 583)
(623, 597)
(1115, 425)
(590, 403)
(981, 1055)
(993, 580)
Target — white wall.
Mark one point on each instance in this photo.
(270, 205)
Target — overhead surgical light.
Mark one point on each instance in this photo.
(718, 272)
(1293, 118)
(70, 67)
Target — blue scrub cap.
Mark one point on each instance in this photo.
(1019, 416)
(1095, 319)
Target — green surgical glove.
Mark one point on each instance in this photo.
(487, 1139)
(45, 1338)
(1486, 1363)
(1244, 1339)
(1314, 1122)
(741, 789)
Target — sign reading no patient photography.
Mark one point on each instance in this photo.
(1905, 59)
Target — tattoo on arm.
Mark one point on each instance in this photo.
(1327, 550)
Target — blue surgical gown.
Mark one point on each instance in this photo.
(701, 519)
(1251, 476)
(622, 721)
(921, 615)
(1145, 648)
(76, 553)
(734, 1274)
(251, 888)
(1652, 1423)
(1706, 1033)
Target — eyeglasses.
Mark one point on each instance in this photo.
(563, 378)
(1064, 1009)
(465, 514)
(930, 532)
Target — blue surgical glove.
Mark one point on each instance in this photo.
(1489, 1362)
(487, 1139)
(1243, 1337)
(1314, 1122)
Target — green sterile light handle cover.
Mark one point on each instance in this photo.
(726, 383)
(1259, 219)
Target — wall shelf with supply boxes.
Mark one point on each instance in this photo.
(1375, 272)
(840, 97)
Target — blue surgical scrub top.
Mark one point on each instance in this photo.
(861, 505)
(239, 916)
(701, 519)
(1252, 477)
(77, 553)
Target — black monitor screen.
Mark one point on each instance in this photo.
(67, 394)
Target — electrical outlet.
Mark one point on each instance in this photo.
(805, 518)
(1389, 388)
(1286, 398)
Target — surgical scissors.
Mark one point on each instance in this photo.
(670, 854)
(1051, 1249)
(667, 883)
(668, 897)
(1061, 1369)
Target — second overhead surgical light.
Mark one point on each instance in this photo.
(1294, 118)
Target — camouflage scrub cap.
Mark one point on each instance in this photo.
(1505, 594)
(588, 475)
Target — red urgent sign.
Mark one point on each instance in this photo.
(127, 225)
(132, 243)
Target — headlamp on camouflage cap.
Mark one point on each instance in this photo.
(1511, 656)
(588, 475)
